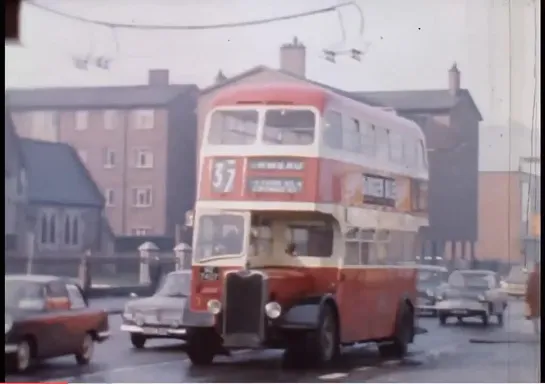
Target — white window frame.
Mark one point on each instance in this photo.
(81, 120)
(112, 118)
(142, 190)
(109, 197)
(45, 125)
(144, 119)
(107, 155)
(141, 231)
(147, 153)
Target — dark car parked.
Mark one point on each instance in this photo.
(46, 317)
(166, 314)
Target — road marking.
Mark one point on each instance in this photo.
(132, 368)
(362, 369)
(333, 376)
(391, 363)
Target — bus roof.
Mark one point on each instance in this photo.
(272, 94)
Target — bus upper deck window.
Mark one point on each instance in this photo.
(233, 127)
(289, 127)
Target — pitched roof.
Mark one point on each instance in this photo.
(96, 97)
(262, 68)
(418, 101)
(56, 175)
(12, 146)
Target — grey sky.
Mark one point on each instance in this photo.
(412, 45)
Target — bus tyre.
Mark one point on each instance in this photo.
(202, 347)
(398, 346)
(322, 344)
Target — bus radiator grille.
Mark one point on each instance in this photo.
(244, 304)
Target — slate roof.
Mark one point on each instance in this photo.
(56, 175)
(430, 100)
(96, 97)
(261, 68)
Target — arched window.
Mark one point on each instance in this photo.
(75, 230)
(43, 229)
(67, 230)
(52, 229)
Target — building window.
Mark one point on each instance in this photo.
(141, 231)
(351, 136)
(48, 228)
(45, 126)
(143, 158)
(112, 119)
(142, 196)
(145, 119)
(82, 120)
(108, 158)
(83, 156)
(109, 196)
(71, 230)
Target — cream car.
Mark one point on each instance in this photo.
(472, 293)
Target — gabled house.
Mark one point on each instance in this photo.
(64, 209)
(15, 183)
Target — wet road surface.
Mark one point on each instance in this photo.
(438, 356)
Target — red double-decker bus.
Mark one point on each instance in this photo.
(307, 203)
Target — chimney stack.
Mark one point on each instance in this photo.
(293, 58)
(454, 79)
(220, 77)
(158, 77)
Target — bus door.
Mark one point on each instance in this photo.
(352, 300)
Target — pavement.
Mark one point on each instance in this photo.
(443, 354)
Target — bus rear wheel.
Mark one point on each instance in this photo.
(399, 344)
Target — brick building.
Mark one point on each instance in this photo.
(450, 120)
(509, 217)
(138, 143)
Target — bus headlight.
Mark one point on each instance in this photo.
(273, 310)
(213, 306)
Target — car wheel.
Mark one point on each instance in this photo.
(86, 350)
(23, 356)
(138, 340)
(400, 343)
(443, 319)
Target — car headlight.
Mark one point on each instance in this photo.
(440, 296)
(213, 306)
(429, 292)
(481, 298)
(8, 323)
(273, 310)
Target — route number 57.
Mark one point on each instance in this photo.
(223, 175)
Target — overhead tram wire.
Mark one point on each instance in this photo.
(248, 23)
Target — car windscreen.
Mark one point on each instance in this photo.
(23, 294)
(430, 277)
(471, 280)
(175, 285)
